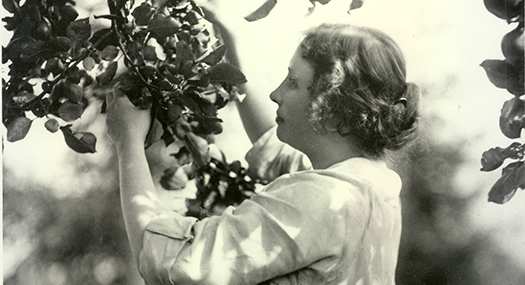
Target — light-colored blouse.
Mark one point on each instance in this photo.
(340, 225)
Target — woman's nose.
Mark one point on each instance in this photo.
(275, 95)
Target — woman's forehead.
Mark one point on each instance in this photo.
(299, 65)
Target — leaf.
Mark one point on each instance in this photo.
(67, 90)
(198, 148)
(75, 93)
(81, 142)
(208, 125)
(62, 44)
(356, 4)
(79, 30)
(103, 38)
(68, 13)
(226, 73)
(174, 178)
(505, 75)
(109, 74)
(162, 26)
(494, 157)
(18, 129)
(70, 111)
(261, 12)
(52, 125)
(512, 118)
(11, 6)
(496, 71)
(193, 17)
(150, 53)
(511, 180)
(88, 63)
(143, 14)
(109, 53)
(184, 54)
(516, 80)
(215, 56)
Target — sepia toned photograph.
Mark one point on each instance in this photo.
(263, 142)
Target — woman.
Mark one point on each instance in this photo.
(343, 103)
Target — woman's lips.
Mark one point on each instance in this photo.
(279, 120)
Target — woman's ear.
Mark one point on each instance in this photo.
(330, 125)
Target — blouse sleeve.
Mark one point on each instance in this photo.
(269, 158)
(270, 235)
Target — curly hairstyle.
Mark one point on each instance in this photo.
(360, 87)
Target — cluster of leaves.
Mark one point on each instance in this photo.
(221, 185)
(47, 45)
(508, 74)
(174, 66)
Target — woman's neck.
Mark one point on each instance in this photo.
(328, 149)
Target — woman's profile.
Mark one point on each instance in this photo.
(331, 215)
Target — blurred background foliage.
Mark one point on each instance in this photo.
(61, 212)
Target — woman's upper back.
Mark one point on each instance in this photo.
(344, 222)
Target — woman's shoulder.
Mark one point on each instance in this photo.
(350, 182)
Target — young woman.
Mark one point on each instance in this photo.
(343, 103)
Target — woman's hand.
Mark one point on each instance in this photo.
(126, 123)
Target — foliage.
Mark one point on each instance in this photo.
(174, 65)
(508, 74)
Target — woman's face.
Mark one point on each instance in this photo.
(293, 98)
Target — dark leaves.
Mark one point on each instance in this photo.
(103, 38)
(215, 56)
(69, 91)
(81, 142)
(356, 4)
(174, 178)
(79, 31)
(68, 13)
(226, 73)
(62, 44)
(162, 26)
(69, 111)
(505, 75)
(494, 157)
(18, 129)
(261, 12)
(143, 14)
(11, 6)
(512, 179)
(512, 119)
(109, 53)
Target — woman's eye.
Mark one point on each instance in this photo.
(292, 81)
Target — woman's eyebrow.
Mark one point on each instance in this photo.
(291, 73)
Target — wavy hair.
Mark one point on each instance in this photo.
(360, 87)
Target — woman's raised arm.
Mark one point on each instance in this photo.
(256, 110)
(127, 128)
